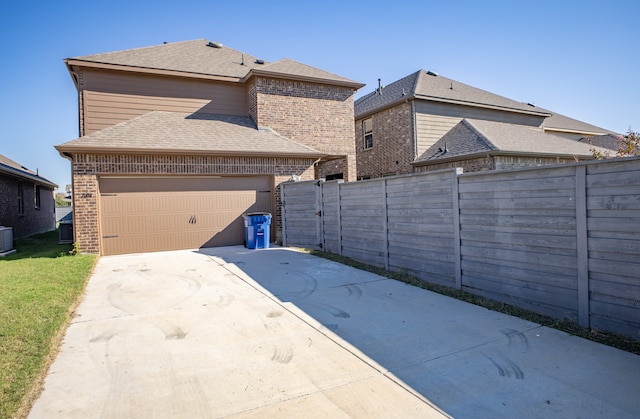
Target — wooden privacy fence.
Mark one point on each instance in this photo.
(563, 241)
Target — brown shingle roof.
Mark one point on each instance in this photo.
(428, 86)
(10, 167)
(557, 122)
(188, 56)
(287, 68)
(171, 132)
(199, 58)
(609, 141)
(472, 137)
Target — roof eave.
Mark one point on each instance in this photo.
(147, 70)
(26, 176)
(578, 132)
(387, 105)
(69, 150)
(494, 153)
(266, 73)
(481, 105)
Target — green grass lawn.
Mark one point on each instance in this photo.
(39, 286)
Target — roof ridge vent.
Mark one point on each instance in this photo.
(214, 44)
(432, 73)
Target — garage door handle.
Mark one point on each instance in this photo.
(109, 237)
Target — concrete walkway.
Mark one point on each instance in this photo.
(231, 332)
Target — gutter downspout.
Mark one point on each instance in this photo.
(414, 132)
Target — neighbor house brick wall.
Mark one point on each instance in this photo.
(34, 220)
(87, 168)
(393, 145)
(329, 168)
(8, 199)
(496, 163)
(471, 165)
(317, 115)
(514, 162)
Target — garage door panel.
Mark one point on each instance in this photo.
(134, 220)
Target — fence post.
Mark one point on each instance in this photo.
(456, 229)
(284, 214)
(340, 218)
(319, 235)
(582, 246)
(385, 227)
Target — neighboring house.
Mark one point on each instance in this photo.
(397, 126)
(479, 145)
(26, 200)
(177, 141)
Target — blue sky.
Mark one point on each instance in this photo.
(577, 58)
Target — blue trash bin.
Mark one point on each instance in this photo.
(257, 227)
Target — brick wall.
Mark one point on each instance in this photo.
(34, 220)
(317, 115)
(496, 163)
(515, 162)
(87, 167)
(481, 164)
(393, 146)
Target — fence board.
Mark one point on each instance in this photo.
(560, 240)
(527, 304)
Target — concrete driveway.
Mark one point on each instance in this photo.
(231, 332)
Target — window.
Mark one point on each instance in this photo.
(367, 129)
(20, 199)
(36, 196)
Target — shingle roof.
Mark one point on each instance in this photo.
(172, 132)
(557, 122)
(199, 58)
(609, 141)
(472, 136)
(10, 167)
(429, 86)
(287, 67)
(186, 56)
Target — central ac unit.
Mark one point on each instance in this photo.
(6, 239)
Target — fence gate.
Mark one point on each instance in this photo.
(301, 214)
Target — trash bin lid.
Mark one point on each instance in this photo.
(258, 213)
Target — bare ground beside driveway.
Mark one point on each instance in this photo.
(276, 333)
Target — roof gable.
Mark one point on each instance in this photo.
(172, 132)
(430, 86)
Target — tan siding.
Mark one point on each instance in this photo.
(110, 98)
(433, 120)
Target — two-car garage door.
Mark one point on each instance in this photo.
(146, 214)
